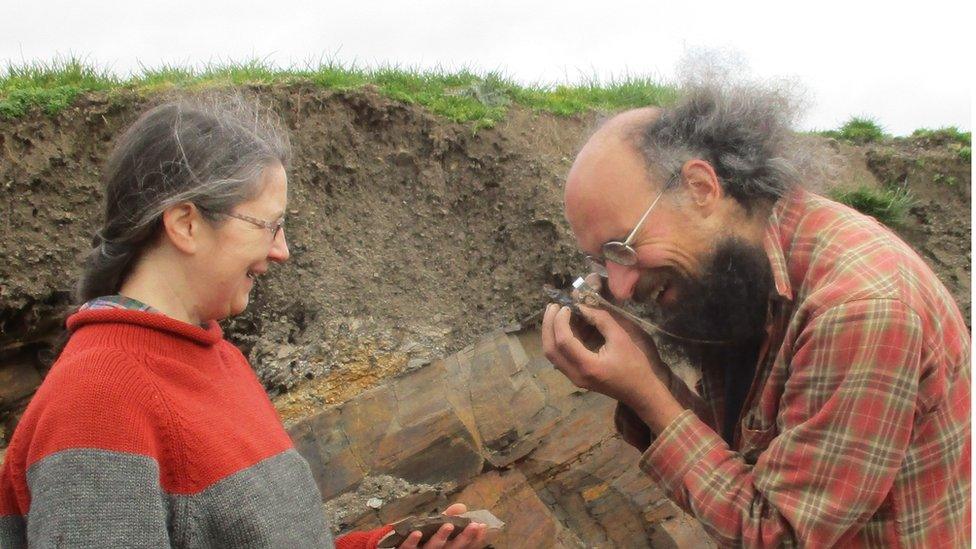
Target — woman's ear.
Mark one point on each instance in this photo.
(702, 184)
(183, 226)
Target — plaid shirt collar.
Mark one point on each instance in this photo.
(782, 221)
(118, 302)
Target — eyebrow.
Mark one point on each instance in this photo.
(605, 242)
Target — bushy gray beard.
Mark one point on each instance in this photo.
(729, 301)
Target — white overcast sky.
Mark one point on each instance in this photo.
(905, 64)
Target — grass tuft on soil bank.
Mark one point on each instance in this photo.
(959, 141)
(462, 96)
(50, 86)
(889, 206)
(861, 130)
(950, 134)
(857, 130)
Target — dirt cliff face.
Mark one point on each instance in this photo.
(939, 224)
(410, 236)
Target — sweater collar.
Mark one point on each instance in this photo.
(208, 335)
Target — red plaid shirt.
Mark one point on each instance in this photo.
(856, 430)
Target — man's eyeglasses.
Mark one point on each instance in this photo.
(273, 227)
(622, 253)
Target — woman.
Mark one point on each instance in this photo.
(151, 430)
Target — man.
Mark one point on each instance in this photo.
(833, 407)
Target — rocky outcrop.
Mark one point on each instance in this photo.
(496, 427)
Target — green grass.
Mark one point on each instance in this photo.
(49, 86)
(462, 96)
(610, 96)
(950, 134)
(889, 206)
(858, 130)
(959, 141)
(945, 179)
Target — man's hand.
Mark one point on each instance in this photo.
(617, 369)
(637, 335)
(620, 369)
(474, 536)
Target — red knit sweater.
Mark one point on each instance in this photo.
(151, 432)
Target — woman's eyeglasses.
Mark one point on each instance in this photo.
(273, 227)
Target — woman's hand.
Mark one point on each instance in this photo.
(474, 536)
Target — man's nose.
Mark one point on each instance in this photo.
(279, 248)
(621, 280)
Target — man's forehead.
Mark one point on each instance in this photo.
(609, 181)
(610, 169)
(614, 146)
(605, 198)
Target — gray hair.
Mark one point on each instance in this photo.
(209, 151)
(744, 132)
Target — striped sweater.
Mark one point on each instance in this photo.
(150, 432)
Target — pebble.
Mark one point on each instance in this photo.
(374, 503)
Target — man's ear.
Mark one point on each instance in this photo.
(183, 225)
(702, 184)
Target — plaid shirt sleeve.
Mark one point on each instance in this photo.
(844, 424)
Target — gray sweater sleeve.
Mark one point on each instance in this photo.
(96, 498)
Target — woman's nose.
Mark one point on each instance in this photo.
(279, 248)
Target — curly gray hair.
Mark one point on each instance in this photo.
(743, 132)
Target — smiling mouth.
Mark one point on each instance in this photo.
(658, 292)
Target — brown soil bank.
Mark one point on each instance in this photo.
(939, 225)
(411, 236)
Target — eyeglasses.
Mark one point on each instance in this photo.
(273, 227)
(622, 253)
